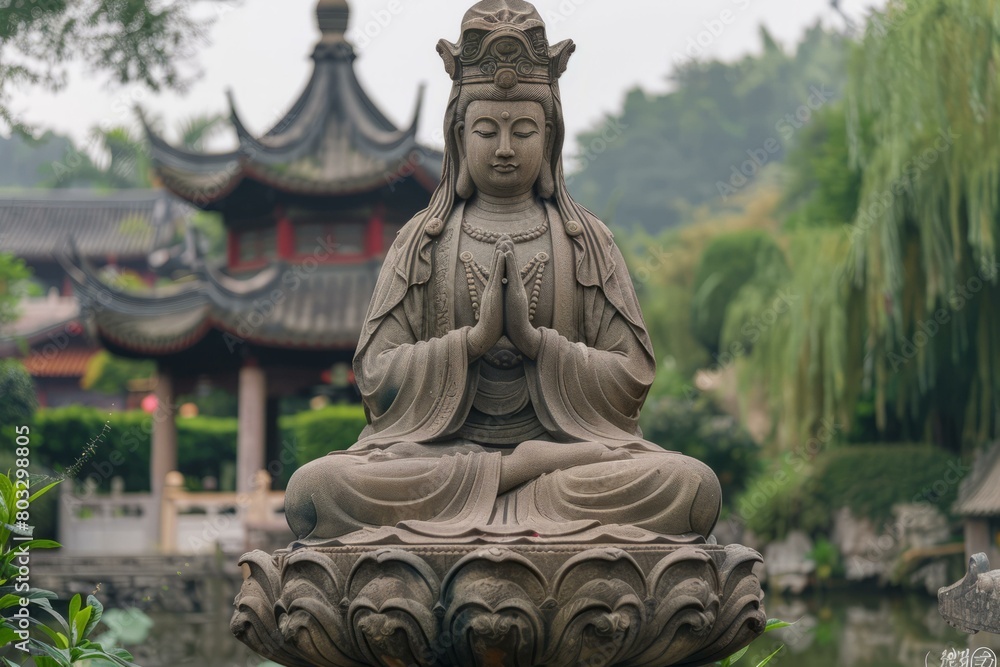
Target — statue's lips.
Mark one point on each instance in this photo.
(505, 168)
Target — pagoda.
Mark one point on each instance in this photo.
(310, 208)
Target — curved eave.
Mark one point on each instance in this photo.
(333, 101)
(324, 314)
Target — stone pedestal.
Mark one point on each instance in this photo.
(523, 605)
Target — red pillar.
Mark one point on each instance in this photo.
(375, 243)
(286, 234)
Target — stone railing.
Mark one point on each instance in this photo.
(194, 523)
(181, 522)
(120, 523)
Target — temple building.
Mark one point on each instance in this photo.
(310, 209)
(979, 506)
(118, 233)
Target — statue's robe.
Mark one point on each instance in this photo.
(415, 466)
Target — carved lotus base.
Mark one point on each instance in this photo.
(558, 606)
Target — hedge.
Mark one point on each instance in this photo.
(332, 429)
(868, 479)
(86, 442)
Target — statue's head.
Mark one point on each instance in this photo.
(503, 128)
(504, 125)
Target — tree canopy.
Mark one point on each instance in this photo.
(708, 139)
(128, 41)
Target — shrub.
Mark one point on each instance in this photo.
(316, 434)
(18, 401)
(730, 264)
(868, 479)
(700, 429)
(85, 442)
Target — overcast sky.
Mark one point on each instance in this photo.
(260, 49)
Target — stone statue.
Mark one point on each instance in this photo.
(504, 360)
(502, 507)
(973, 604)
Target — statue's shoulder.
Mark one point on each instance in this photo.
(596, 229)
(413, 228)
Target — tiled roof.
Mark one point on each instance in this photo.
(333, 142)
(979, 495)
(39, 316)
(69, 363)
(127, 224)
(319, 310)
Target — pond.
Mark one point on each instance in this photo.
(837, 630)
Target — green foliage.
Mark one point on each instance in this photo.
(18, 401)
(320, 432)
(823, 189)
(25, 161)
(663, 270)
(781, 499)
(210, 227)
(109, 374)
(61, 641)
(826, 557)
(771, 626)
(800, 494)
(746, 261)
(924, 102)
(122, 163)
(85, 442)
(810, 361)
(14, 275)
(697, 427)
(136, 41)
(664, 155)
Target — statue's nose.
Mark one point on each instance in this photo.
(505, 151)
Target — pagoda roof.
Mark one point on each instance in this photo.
(333, 142)
(325, 310)
(126, 224)
(40, 320)
(979, 495)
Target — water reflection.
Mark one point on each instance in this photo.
(861, 629)
(841, 630)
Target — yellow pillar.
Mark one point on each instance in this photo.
(172, 491)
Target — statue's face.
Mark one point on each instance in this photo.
(504, 144)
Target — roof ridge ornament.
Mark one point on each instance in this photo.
(333, 17)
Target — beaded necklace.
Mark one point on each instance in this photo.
(486, 236)
(476, 274)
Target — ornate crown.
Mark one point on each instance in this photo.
(504, 43)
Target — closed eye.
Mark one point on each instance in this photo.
(525, 135)
(485, 134)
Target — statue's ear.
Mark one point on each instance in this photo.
(465, 187)
(546, 185)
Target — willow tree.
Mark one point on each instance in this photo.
(924, 110)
